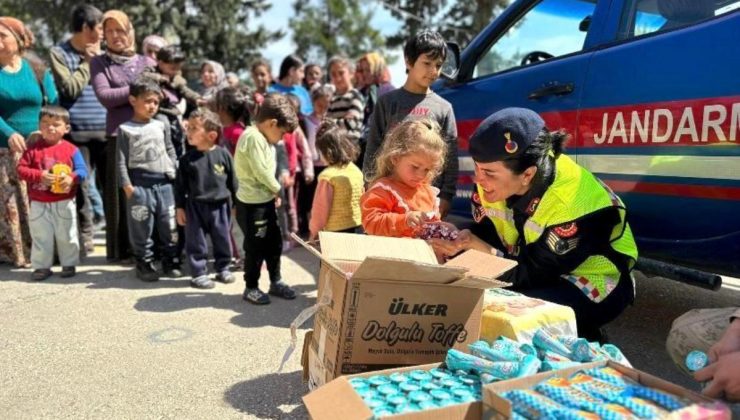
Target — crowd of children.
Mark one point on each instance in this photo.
(248, 167)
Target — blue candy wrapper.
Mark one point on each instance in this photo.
(578, 347)
(458, 360)
(546, 341)
(548, 365)
(613, 353)
(501, 353)
(696, 360)
(528, 366)
(663, 399)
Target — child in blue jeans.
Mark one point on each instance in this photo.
(146, 171)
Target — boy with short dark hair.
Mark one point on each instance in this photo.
(424, 55)
(146, 171)
(257, 196)
(204, 191)
(53, 168)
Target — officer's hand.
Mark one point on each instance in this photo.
(725, 377)
(443, 247)
(182, 219)
(444, 207)
(729, 343)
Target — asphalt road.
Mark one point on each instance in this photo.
(105, 345)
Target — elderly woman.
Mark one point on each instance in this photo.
(24, 87)
(151, 45)
(212, 79)
(566, 229)
(112, 73)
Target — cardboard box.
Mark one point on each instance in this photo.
(338, 400)
(518, 317)
(498, 408)
(387, 303)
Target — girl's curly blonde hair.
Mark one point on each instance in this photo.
(408, 137)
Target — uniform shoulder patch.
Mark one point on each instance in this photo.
(567, 230)
(560, 245)
(479, 213)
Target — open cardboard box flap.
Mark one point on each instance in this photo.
(396, 269)
(336, 400)
(379, 260)
(354, 247)
(483, 269)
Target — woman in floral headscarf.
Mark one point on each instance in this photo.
(111, 74)
(25, 86)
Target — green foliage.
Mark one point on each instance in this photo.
(457, 21)
(219, 30)
(333, 27)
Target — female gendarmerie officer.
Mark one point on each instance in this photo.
(565, 228)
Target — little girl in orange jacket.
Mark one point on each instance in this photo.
(401, 197)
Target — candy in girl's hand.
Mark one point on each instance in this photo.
(438, 231)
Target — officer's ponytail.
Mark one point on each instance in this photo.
(543, 151)
(557, 140)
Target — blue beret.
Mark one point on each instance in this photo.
(505, 134)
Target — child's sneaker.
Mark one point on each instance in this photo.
(41, 274)
(145, 271)
(237, 264)
(202, 282)
(256, 296)
(68, 271)
(281, 289)
(225, 277)
(171, 268)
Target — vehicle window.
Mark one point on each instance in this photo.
(550, 29)
(642, 17)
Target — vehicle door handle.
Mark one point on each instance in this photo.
(558, 89)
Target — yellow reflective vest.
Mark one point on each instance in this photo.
(574, 194)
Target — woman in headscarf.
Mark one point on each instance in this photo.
(25, 86)
(112, 73)
(213, 79)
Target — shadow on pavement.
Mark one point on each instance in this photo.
(266, 396)
(280, 313)
(304, 259)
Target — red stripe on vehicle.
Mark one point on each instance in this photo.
(678, 190)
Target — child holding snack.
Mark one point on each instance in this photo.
(53, 168)
(401, 198)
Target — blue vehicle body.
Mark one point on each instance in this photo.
(656, 115)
